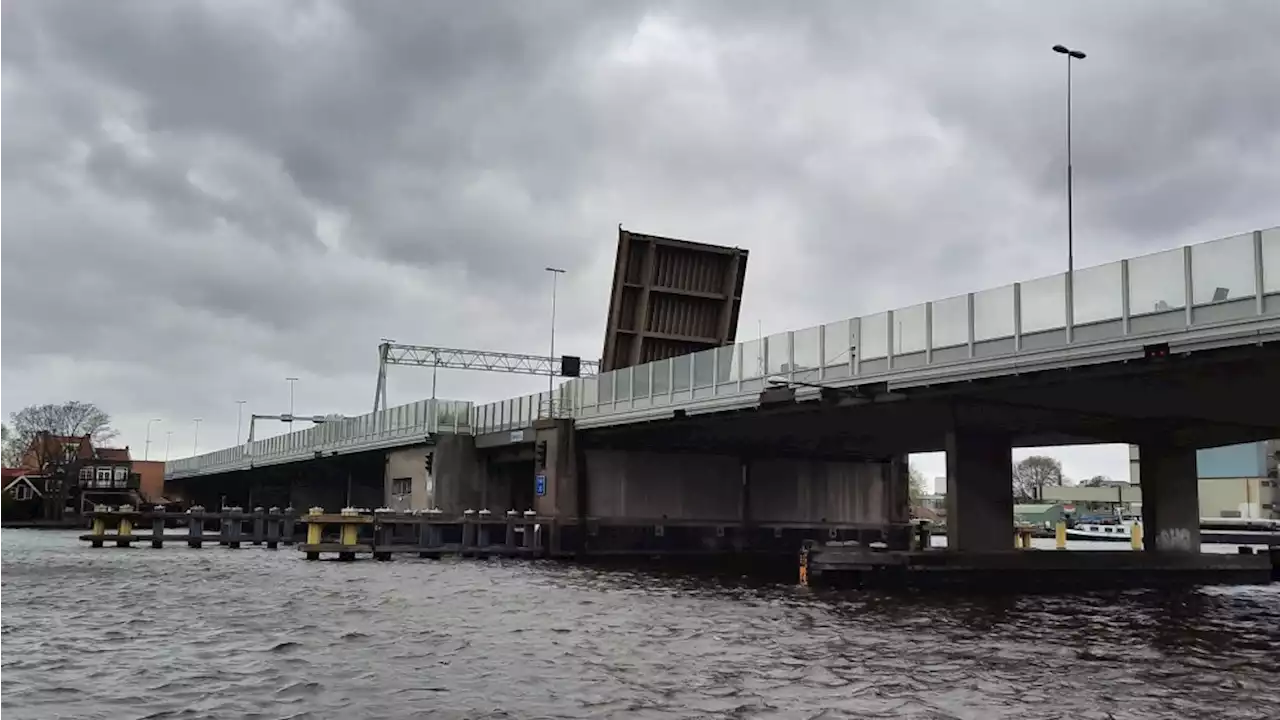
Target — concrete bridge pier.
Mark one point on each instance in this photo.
(565, 490)
(643, 497)
(1170, 497)
(979, 490)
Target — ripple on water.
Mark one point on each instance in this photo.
(212, 633)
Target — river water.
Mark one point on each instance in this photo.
(214, 633)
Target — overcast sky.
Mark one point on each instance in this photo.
(202, 198)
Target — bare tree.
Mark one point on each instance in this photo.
(12, 454)
(1098, 481)
(1032, 475)
(36, 436)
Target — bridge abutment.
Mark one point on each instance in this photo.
(459, 479)
(1170, 497)
(979, 490)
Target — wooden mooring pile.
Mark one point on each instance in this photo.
(231, 526)
(429, 533)
(346, 534)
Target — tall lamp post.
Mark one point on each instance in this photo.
(1071, 261)
(291, 381)
(195, 442)
(168, 440)
(551, 379)
(240, 418)
(146, 449)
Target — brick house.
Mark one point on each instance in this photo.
(76, 475)
(23, 495)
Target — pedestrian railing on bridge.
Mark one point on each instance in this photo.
(1226, 291)
(386, 428)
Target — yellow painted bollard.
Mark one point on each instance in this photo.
(349, 533)
(125, 528)
(1135, 537)
(1060, 535)
(315, 531)
(99, 526)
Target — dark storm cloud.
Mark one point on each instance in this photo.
(231, 192)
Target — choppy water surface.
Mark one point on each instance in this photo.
(213, 633)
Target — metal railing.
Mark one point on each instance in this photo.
(1233, 281)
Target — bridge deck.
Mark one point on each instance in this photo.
(1219, 294)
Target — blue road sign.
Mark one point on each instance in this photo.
(540, 485)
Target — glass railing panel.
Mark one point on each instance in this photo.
(623, 388)
(753, 359)
(640, 381)
(1223, 270)
(680, 368)
(805, 348)
(589, 392)
(1271, 260)
(704, 368)
(993, 313)
(1097, 294)
(778, 353)
(1157, 283)
(661, 377)
(1044, 304)
(837, 338)
(604, 383)
(950, 322)
(727, 364)
(909, 330)
(874, 342)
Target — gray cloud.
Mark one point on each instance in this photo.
(204, 197)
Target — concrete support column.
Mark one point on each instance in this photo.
(1170, 498)
(898, 490)
(560, 498)
(979, 491)
(740, 541)
(563, 491)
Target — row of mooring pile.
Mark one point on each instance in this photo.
(383, 532)
(232, 526)
(349, 533)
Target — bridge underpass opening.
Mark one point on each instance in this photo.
(511, 485)
(331, 482)
(1171, 405)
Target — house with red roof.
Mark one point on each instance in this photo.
(70, 475)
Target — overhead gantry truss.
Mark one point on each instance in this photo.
(390, 353)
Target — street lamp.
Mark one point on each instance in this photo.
(239, 418)
(291, 381)
(195, 443)
(551, 379)
(1071, 301)
(168, 440)
(146, 449)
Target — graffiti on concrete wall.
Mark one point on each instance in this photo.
(1174, 539)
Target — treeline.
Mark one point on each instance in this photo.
(69, 419)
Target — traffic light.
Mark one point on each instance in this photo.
(1156, 352)
(540, 454)
(570, 366)
(429, 460)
